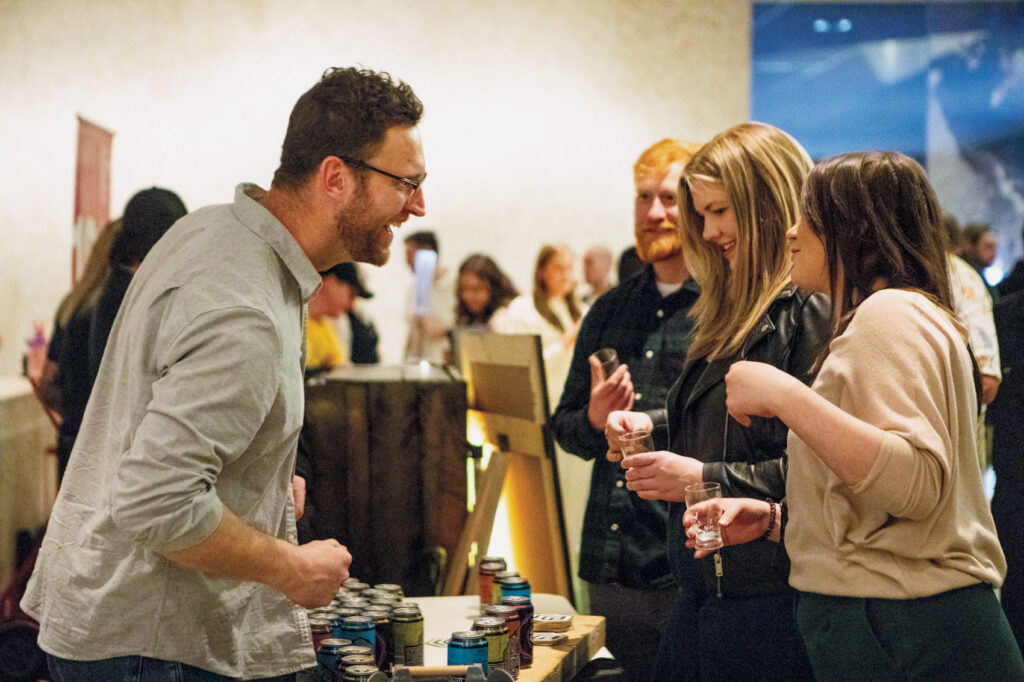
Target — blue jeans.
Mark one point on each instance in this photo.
(136, 669)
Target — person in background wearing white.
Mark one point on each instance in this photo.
(553, 311)
(428, 327)
(893, 548)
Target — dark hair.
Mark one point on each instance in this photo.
(147, 216)
(878, 218)
(502, 289)
(952, 226)
(347, 115)
(424, 239)
(629, 263)
(973, 232)
(540, 296)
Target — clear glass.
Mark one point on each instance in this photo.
(709, 533)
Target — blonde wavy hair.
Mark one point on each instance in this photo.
(86, 291)
(761, 169)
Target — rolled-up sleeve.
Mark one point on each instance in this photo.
(915, 458)
(208, 402)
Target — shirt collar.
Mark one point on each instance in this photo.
(262, 222)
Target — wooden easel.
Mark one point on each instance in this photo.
(505, 381)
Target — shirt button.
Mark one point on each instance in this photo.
(639, 395)
(649, 354)
(660, 313)
(619, 484)
(614, 526)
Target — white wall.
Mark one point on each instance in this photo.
(535, 112)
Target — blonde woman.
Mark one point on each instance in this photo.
(553, 311)
(734, 614)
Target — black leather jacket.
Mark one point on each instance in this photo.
(746, 461)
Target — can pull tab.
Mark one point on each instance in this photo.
(718, 571)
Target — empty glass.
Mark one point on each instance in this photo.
(709, 533)
(609, 360)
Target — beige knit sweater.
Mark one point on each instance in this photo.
(919, 523)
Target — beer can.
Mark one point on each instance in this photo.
(356, 659)
(496, 585)
(467, 648)
(358, 673)
(328, 660)
(355, 585)
(360, 629)
(488, 567)
(516, 586)
(320, 628)
(384, 654)
(391, 588)
(525, 608)
(407, 631)
(340, 614)
(356, 650)
(496, 632)
(510, 615)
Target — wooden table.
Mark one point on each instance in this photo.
(28, 475)
(445, 615)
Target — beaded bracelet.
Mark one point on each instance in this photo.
(771, 519)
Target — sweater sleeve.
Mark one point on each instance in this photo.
(893, 369)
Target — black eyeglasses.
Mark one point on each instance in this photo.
(413, 185)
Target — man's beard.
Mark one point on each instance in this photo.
(360, 233)
(656, 249)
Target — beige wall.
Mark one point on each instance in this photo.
(535, 111)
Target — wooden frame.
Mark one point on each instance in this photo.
(508, 403)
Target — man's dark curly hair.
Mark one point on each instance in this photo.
(346, 114)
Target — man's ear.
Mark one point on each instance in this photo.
(334, 179)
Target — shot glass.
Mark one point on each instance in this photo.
(635, 442)
(609, 360)
(709, 533)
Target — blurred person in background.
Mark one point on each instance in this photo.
(553, 311)
(597, 271)
(483, 292)
(336, 334)
(147, 216)
(430, 319)
(978, 246)
(973, 307)
(66, 381)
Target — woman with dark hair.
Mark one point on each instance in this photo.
(482, 290)
(147, 216)
(893, 548)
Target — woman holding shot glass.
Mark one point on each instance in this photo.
(893, 546)
(733, 617)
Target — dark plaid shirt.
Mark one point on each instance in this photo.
(623, 535)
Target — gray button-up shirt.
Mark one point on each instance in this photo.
(197, 406)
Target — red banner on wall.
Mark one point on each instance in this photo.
(92, 190)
